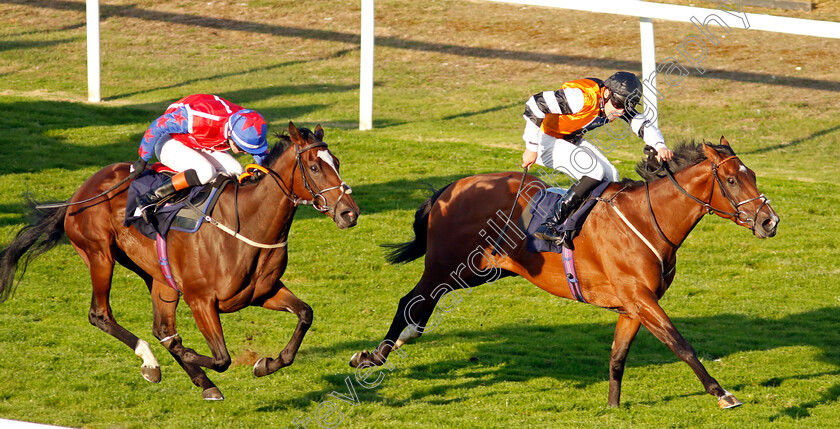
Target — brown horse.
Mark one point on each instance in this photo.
(457, 228)
(216, 272)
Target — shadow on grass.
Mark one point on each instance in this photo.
(33, 138)
(302, 89)
(133, 11)
(795, 142)
(14, 214)
(400, 194)
(11, 46)
(578, 354)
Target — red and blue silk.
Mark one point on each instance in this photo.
(198, 121)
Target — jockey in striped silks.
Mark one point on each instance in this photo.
(555, 123)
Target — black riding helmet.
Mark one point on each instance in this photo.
(625, 90)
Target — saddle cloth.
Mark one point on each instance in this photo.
(170, 216)
(541, 208)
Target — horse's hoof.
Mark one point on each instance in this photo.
(151, 374)
(728, 401)
(212, 394)
(357, 358)
(261, 368)
(354, 361)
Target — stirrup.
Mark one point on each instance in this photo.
(548, 231)
(567, 240)
(546, 237)
(147, 212)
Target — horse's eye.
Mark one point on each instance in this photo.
(731, 180)
(314, 168)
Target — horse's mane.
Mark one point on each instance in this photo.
(283, 143)
(686, 154)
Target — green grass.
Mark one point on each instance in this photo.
(762, 314)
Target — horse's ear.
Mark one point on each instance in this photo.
(711, 153)
(294, 133)
(723, 141)
(319, 133)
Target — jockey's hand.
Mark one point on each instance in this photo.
(136, 168)
(664, 154)
(528, 158)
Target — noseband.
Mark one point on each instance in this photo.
(737, 212)
(318, 201)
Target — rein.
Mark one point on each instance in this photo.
(655, 222)
(636, 231)
(67, 204)
(235, 234)
(736, 215)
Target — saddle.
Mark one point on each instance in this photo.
(540, 208)
(174, 214)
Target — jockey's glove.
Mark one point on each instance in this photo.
(137, 168)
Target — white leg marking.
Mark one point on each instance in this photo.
(145, 352)
(408, 334)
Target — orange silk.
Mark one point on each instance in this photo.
(560, 126)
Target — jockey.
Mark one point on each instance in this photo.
(192, 138)
(555, 122)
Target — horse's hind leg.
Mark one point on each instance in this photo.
(625, 331)
(413, 312)
(164, 303)
(206, 315)
(285, 300)
(101, 265)
(658, 323)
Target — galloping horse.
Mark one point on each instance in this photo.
(216, 272)
(626, 251)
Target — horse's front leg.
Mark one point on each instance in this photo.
(625, 331)
(285, 300)
(660, 325)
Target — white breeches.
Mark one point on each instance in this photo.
(206, 163)
(576, 161)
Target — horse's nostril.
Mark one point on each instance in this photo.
(348, 215)
(768, 224)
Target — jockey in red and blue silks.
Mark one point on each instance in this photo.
(192, 137)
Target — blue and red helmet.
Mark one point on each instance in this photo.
(248, 129)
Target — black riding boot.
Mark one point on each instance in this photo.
(550, 229)
(180, 181)
(155, 195)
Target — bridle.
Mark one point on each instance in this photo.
(736, 214)
(318, 201)
(317, 196)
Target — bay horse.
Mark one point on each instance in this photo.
(618, 269)
(216, 272)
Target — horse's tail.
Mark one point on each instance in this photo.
(29, 243)
(411, 250)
